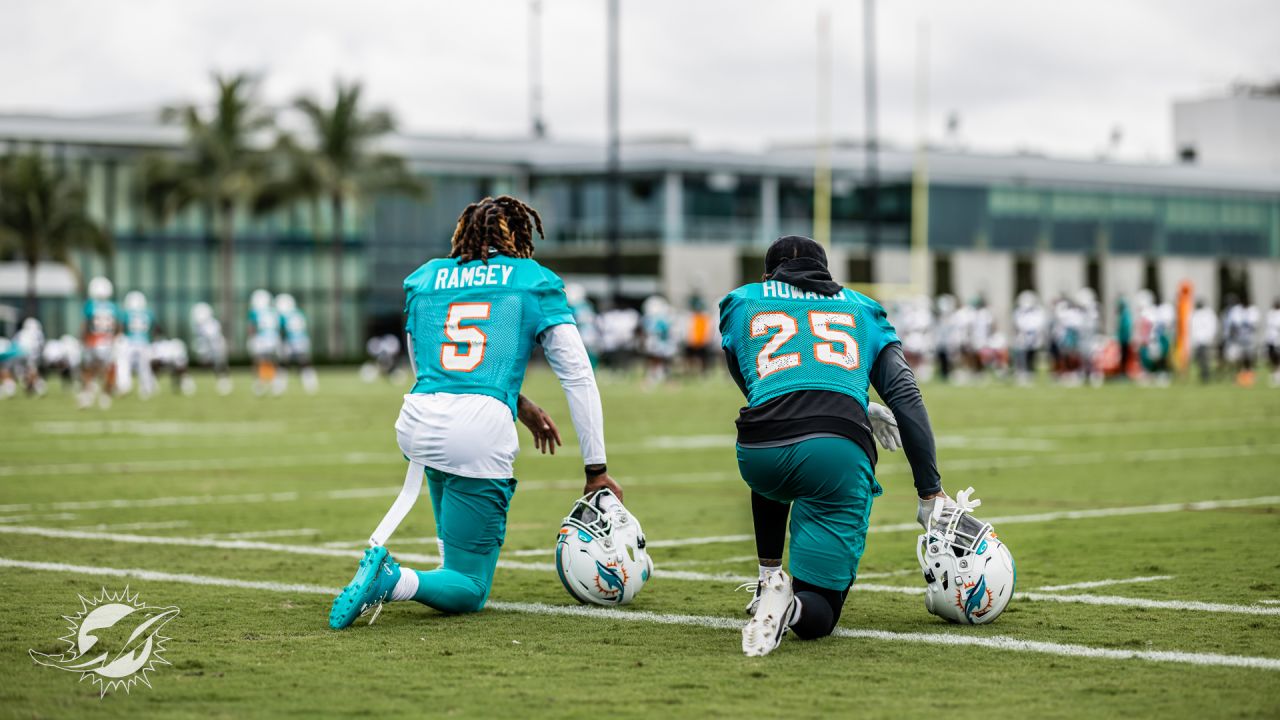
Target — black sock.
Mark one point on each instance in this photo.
(770, 519)
(819, 610)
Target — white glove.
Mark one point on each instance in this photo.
(884, 426)
(929, 510)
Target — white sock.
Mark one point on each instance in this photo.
(406, 587)
(795, 614)
(767, 570)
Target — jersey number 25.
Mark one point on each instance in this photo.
(459, 335)
(820, 323)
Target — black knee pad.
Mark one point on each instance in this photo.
(819, 610)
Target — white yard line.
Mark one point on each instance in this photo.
(659, 572)
(29, 518)
(1104, 583)
(957, 638)
(161, 525)
(256, 534)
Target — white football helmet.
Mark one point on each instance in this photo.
(969, 574)
(260, 299)
(600, 553)
(100, 288)
(135, 301)
(201, 312)
(285, 303)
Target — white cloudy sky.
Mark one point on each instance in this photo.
(1051, 76)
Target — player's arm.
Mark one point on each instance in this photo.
(893, 379)
(546, 436)
(568, 358)
(735, 371)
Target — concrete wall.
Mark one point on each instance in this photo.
(1058, 274)
(712, 269)
(1264, 282)
(989, 274)
(1202, 272)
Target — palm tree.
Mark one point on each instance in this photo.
(42, 215)
(222, 168)
(341, 167)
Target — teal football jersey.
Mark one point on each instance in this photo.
(265, 323)
(786, 339)
(294, 325)
(101, 316)
(137, 325)
(474, 325)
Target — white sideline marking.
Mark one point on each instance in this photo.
(957, 638)
(658, 572)
(1270, 602)
(164, 525)
(1104, 583)
(244, 463)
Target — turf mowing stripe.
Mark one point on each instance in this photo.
(669, 574)
(1104, 583)
(954, 639)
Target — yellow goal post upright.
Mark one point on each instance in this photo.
(917, 283)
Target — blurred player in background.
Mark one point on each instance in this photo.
(210, 345)
(1204, 336)
(660, 340)
(804, 350)
(473, 319)
(133, 357)
(1029, 330)
(584, 314)
(101, 323)
(9, 356)
(296, 349)
(384, 359)
(264, 343)
(62, 357)
(697, 345)
(1273, 341)
(170, 357)
(30, 343)
(1240, 325)
(948, 340)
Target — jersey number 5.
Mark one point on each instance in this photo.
(459, 334)
(784, 328)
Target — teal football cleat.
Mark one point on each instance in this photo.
(372, 585)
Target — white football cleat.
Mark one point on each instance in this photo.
(774, 611)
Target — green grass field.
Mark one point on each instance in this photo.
(246, 512)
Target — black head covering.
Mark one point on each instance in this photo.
(800, 261)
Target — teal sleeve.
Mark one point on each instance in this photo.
(727, 306)
(553, 305)
(888, 335)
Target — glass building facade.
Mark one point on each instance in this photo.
(670, 196)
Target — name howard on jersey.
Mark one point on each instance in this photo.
(776, 289)
(479, 275)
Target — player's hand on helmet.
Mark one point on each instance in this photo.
(601, 481)
(546, 436)
(930, 507)
(884, 426)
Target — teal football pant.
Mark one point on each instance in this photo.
(830, 485)
(471, 522)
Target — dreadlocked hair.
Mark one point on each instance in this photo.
(501, 225)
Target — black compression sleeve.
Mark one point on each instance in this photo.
(734, 371)
(770, 520)
(891, 376)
